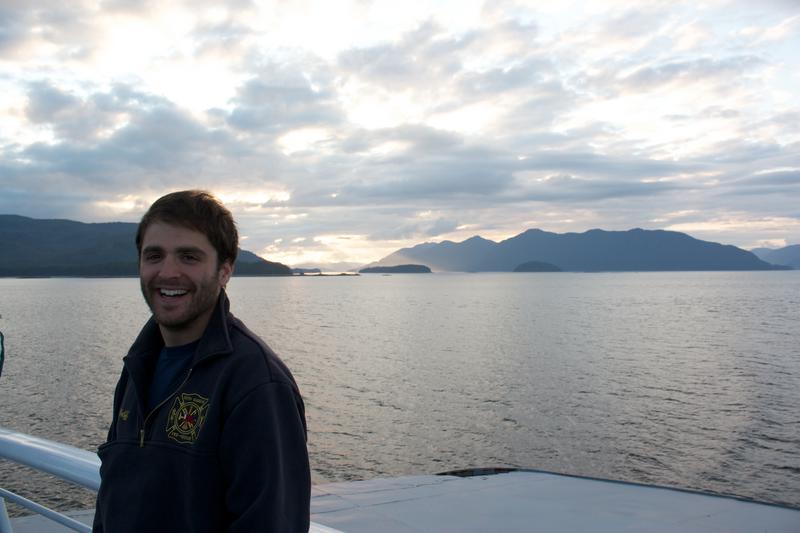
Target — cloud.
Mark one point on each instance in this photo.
(782, 185)
(789, 177)
(692, 71)
(13, 29)
(423, 139)
(420, 229)
(154, 132)
(283, 97)
(751, 151)
(227, 38)
(25, 26)
(423, 172)
(437, 124)
(588, 163)
(129, 7)
(422, 58)
(45, 101)
(128, 142)
(528, 73)
(72, 117)
(572, 189)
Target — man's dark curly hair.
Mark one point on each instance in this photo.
(199, 211)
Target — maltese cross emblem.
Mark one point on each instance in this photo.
(186, 417)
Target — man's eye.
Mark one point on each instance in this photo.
(152, 257)
(190, 258)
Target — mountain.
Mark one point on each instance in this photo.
(34, 247)
(592, 251)
(788, 256)
(536, 266)
(447, 255)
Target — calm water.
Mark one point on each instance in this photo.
(682, 379)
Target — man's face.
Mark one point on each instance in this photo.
(180, 280)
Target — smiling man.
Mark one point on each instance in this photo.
(208, 432)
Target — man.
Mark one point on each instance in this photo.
(2, 353)
(208, 432)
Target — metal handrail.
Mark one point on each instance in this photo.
(66, 462)
(73, 464)
(62, 460)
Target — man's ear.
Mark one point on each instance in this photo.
(225, 273)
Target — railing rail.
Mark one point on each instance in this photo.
(66, 462)
(61, 460)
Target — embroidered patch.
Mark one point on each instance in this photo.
(186, 417)
(123, 414)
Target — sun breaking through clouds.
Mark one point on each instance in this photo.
(339, 132)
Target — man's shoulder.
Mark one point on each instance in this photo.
(254, 355)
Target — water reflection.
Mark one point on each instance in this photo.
(686, 379)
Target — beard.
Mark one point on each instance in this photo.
(185, 311)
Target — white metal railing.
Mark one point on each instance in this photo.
(62, 460)
(66, 462)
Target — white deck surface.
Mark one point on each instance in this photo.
(526, 501)
(520, 501)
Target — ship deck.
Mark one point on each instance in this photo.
(519, 501)
(532, 501)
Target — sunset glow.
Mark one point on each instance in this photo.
(329, 128)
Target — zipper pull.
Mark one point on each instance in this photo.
(141, 438)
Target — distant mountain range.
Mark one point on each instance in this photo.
(789, 256)
(536, 266)
(35, 248)
(593, 251)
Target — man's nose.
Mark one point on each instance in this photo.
(170, 267)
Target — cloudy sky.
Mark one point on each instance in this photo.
(342, 131)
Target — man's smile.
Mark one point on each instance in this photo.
(171, 293)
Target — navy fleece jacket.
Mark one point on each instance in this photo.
(226, 451)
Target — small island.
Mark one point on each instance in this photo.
(537, 266)
(304, 271)
(397, 269)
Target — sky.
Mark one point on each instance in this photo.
(338, 132)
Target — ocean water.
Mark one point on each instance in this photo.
(687, 379)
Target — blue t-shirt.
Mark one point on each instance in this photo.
(171, 367)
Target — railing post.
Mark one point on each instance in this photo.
(5, 522)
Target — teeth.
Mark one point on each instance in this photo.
(172, 292)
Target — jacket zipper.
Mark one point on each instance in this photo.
(157, 407)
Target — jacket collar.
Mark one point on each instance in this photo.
(215, 341)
